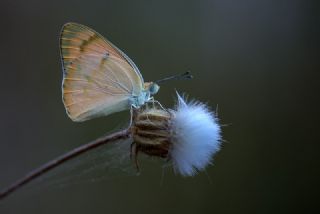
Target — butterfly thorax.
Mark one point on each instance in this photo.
(150, 89)
(137, 101)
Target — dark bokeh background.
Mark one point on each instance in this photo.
(259, 60)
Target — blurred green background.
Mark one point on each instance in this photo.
(258, 60)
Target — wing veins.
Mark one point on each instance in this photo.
(101, 85)
(122, 68)
(107, 77)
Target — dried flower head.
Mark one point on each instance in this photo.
(189, 135)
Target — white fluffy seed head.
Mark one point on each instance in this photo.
(195, 137)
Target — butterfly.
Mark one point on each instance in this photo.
(98, 78)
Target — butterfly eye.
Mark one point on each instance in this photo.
(154, 88)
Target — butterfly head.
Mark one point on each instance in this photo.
(151, 87)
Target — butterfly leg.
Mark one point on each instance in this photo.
(153, 101)
(131, 116)
(159, 104)
(156, 101)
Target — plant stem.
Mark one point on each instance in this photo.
(123, 134)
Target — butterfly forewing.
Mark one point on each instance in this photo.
(98, 78)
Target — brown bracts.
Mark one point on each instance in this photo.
(151, 132)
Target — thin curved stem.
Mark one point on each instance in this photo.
(64, 158)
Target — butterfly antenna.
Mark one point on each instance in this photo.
(186, 75)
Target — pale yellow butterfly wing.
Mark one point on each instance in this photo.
(99, 79)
